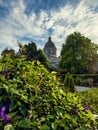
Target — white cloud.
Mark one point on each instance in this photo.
(1, 2)
(49, 24)
(62, 22)
(91, 3)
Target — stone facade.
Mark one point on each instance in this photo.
(50, 51)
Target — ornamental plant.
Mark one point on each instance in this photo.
(32, 99)
(69, 83)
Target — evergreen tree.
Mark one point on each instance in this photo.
(69, 83)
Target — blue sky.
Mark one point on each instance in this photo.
(36, 20)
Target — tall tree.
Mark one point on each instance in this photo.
(32, 53)
(78, 53)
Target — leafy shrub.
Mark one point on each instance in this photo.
(90, 98)
(84, 82)
(88, 82)
(86, 79)
(79, 81)
(69, 82)
(32, 98)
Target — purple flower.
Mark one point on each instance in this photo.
(86, 108)
(3, 114)
(3, 109)
(77, 112)
(6, 119)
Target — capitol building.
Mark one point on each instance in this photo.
(50, 51)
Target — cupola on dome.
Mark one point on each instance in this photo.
(50, 48)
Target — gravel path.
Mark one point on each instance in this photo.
(80, 88)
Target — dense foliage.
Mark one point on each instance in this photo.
(69, 83)
(91, 99)
(89, 80)
(7, 51)
(31, 98)
(78, 54)
(30, 52)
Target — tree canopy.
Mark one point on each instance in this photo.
(32, 53)
(78, 53)
(10, 52)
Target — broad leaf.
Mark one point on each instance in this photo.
(9, 127)
(25, 123)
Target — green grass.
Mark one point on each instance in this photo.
(90, 98)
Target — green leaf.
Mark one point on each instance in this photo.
(23, 110)
(13, 105)
(9, 127)
(13, 114)
(25, 123)
(51, 116)
(44, 127)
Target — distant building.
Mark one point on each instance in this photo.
(50, 51)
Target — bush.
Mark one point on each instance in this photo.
(79, 81)
(86, 79)
(69, 83)
(88, 82)
(90, 98)
(32, 98)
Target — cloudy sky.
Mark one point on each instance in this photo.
(36, 20)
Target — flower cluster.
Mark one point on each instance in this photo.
(3, 113)
(86, 108)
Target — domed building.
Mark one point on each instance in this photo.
(50, 51)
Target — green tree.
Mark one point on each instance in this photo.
(10, 52)
(78, 53)
(32, 53)
(29, 50)
(42, 58)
